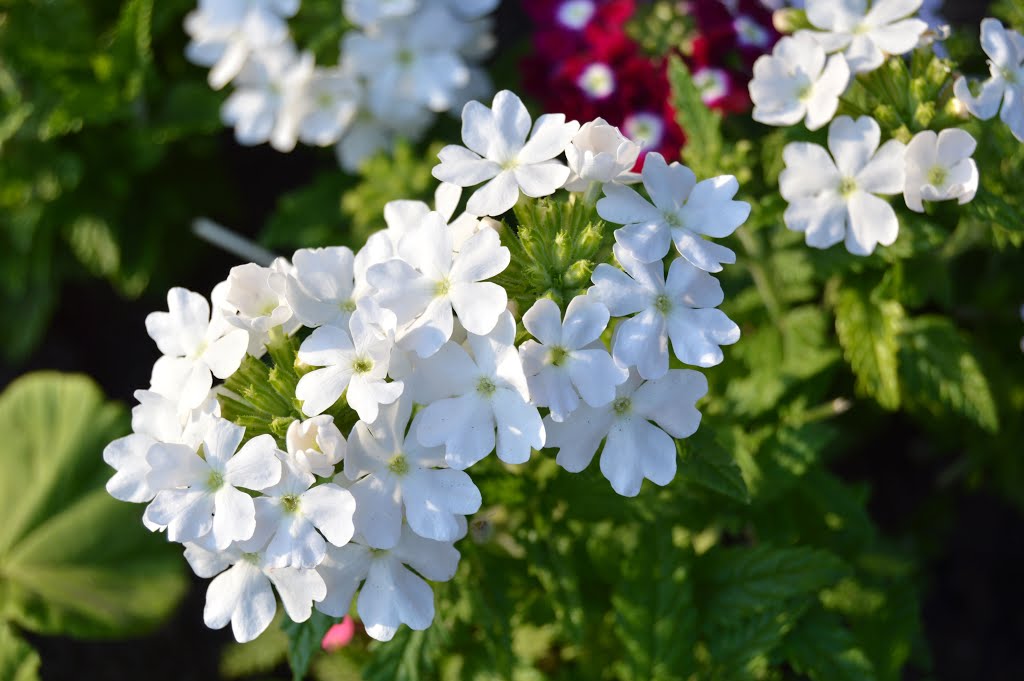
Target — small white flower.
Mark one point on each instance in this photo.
(392, 594)
(316, 445)
(500, 154)
(835, 200)
(795, 82)
(393, 471)
(865, 35)
(241, 591)
(430, 281)
(257, 294)
(567, 363)
(193, 348)
(637, 427)
(940, 168)
(355, 362)
(600, 153)
(484, 393)
(322, 288)
(681, 309)
(330, 102)
(1005, 50)
(472, 9)
(291, 512)
(681, 210)
(200, 496)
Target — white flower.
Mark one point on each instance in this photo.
(940, 167)
(680, 309)
(567, 363)
(201, 496)
(484, 393)
(472, 9)
(638, 427)
(329, 105)
(291, 512)
(795, 82)
(316, 445)
(600, 153)
(322, 288)
(268, 101)
(355, 364)
(406, 217)
(832, 200)
(410, 63)
(865, 35)
(368, 13)
(392, 594)
(392, 471)
(257, 294)
(226, 32)
(155, 419)
(683, 211)
(500, 154)
(193, 348)
(430, 281)
(242, 594)
(1005, 50)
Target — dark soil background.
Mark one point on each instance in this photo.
(973, 592)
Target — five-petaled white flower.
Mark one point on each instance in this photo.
(483, 393)
(392, 594)
(567, 363)
(795, 82)
(193, 347)
(430, 280)
(681, 210)
(865, 34)
(393, 471)
(835, 200)
(321, 290)
(681, 309)
(638, 427)
(500, 154)
(200, 496)
(241, 591)
(940, 168)
(354, 363)
(1005, 50)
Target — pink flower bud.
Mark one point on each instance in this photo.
(339, 635)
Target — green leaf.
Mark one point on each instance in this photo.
(18, 660)
(304, 639)
(409, 656)
(869, 331)
(703, 126)
(740, 650)
(740, 582)
(708, 464)
(72, 559)
(655, 617)
(825, 650)
(941, 373)
(261, 656)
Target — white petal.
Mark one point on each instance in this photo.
(809, 170)
(330, 508)
(461, 167)
(127, 455)
(464, 425)
(234, 517)
(886, 172)
(646, 242)
(478, 305)
(541, 179)
(480, 257)
(256, 465)
(578, 437)
(863, 55)
(596, 375)
(585, 320)
(853, 143)
(872, 222)
(705, 254)
(623, 206)
(391, 596)
(433, 497)
(617, 291)
(670, 401)
(642, 342)
(634, 450)
(342, 570)
(495, 197)
(298, 589)
(549, 138)
(710, 209)
(544, 321)
(241, 595)
(320, 389)
(823, 218)
(668, 185)
(326, 346)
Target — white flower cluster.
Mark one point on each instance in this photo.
(410, 343)
(835, 194)
(402, 63)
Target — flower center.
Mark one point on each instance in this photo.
(622, 406)
(559, 355)
(215, 481)
(405, 57)
(399, 465)
(937, 176)
(347, 305)
(672, 219)
(803, 93)
(575, 14)
(847, 186)
(663, 304)
(485, 386)
(253, 558)
(750, 33)
(646, 129)
(597, 80)
(324, 100)
(362, 365)
(443, 288)
(290, 503)
(713, 84)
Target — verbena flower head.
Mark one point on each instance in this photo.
(361, 388)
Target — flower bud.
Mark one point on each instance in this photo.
(339, 635)
(790, 20)
(316, 444)
(599, 153)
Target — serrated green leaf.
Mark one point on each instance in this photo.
(708, 464)
(655, 615)
(703, 126)
(75, 561)
(739, 582)
(741, 649)
(941, 373)
(18, 660)
(869, 333)
(821, 647)
(304, 639)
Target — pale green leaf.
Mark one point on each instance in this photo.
(869, 332)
